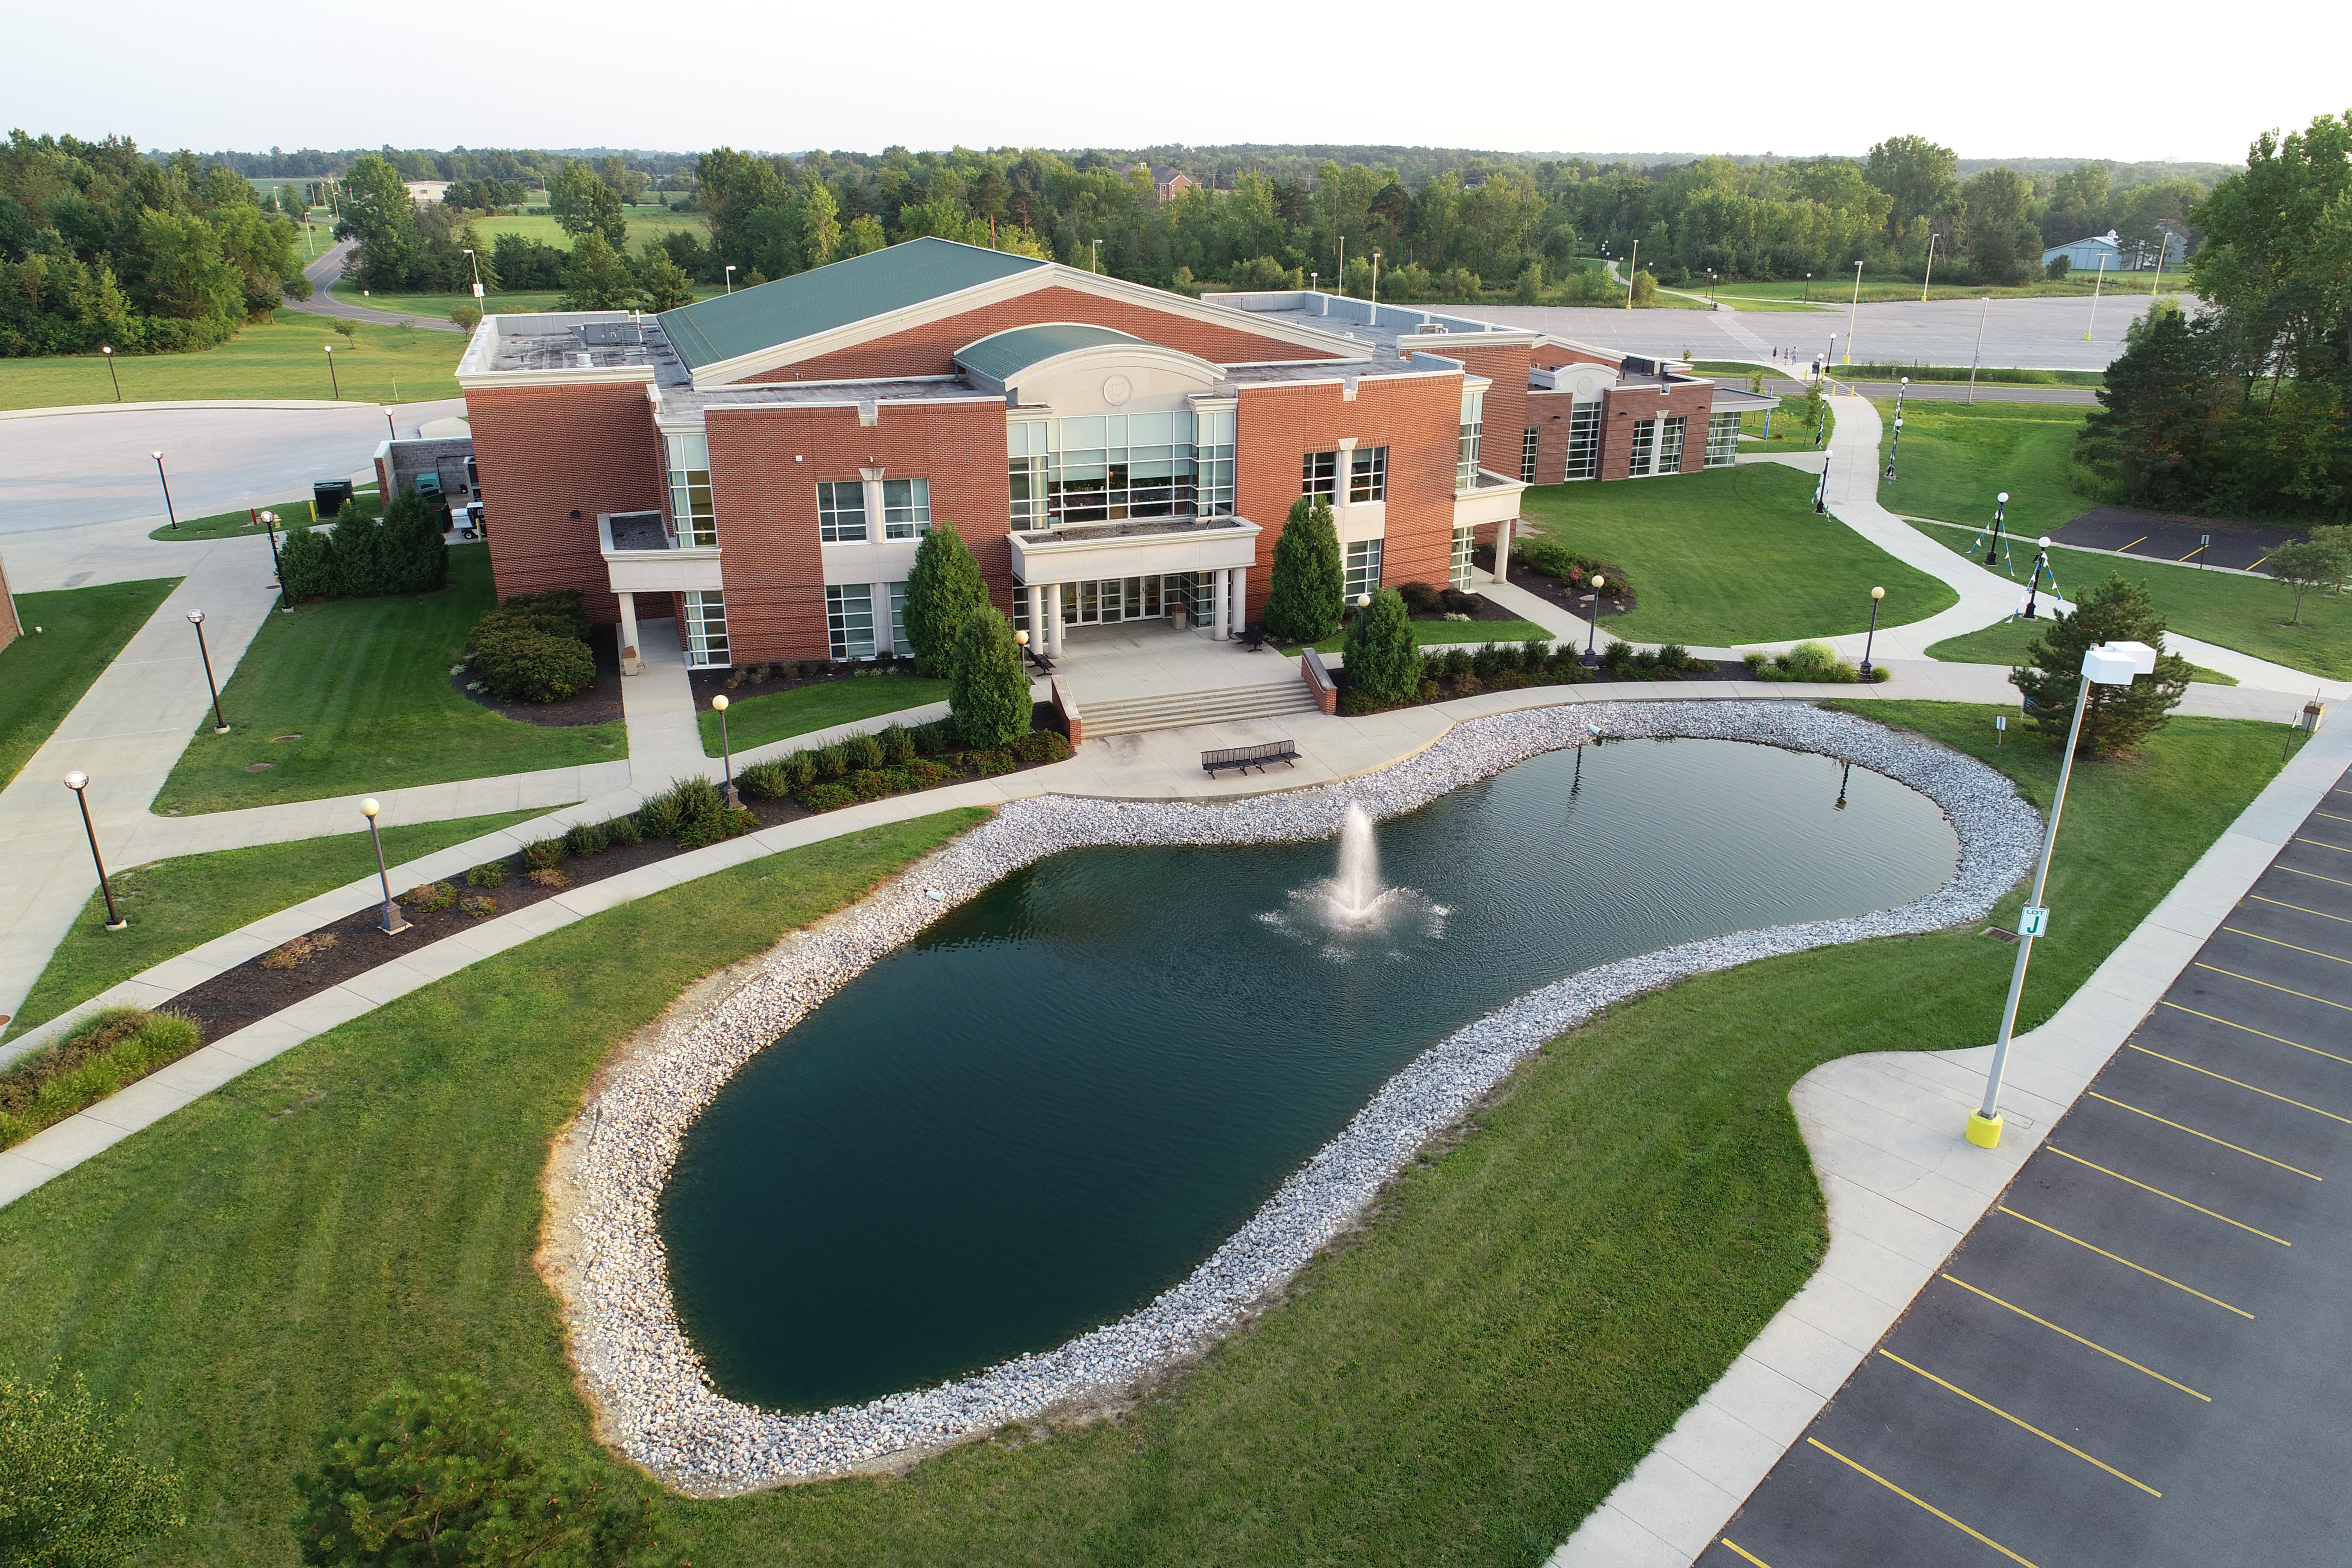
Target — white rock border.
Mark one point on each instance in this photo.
(649, 1386)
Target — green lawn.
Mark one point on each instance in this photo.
(1732, 556)
(1532, 1308)
(645, 223)
(365, 683)
(1839, 290)
(1957, 457)
(43, 674)
(1791, 433)
(2246, 614)
(2005, 642)
(1988, 375)
(1445, 633)
(756, 720)
(238, 524)
(176, 905)
(280, 359)
(436, 307)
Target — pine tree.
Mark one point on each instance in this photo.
(988, 695)
(944, 588)
(1305, 604)
(2115, 715)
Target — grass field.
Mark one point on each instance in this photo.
(1446, 633)
(1837, 290)
(2006, 642)
(1733, 557)
(1532, 1307)
(43, 674)
(645, 223)
(176, 905)
(1957, 457)
(1988, 375)
(1790, 431)
(366, 684)
(280, 359)
(436, 307)
(2247, 614)
(238, 524)
(758, 719)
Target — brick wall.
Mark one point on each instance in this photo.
(1506, 408)
(1622, 409)
(546, 451)
(766, 504)
(930, 349)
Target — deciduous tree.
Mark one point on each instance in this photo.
(71, 1495)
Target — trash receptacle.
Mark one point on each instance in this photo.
(329, 496)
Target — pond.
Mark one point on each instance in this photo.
(1066, 1092)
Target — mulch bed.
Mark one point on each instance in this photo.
(1486, 610)
(786, 675)
(599, 703)
(1544, 585)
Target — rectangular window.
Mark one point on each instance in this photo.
(1363, 568)
(1584, 442)
(906, 508)
(1319, 475)
(1722, 440)
(1368, 477)
(690, 491)
(1465, 462)
(849, 617)
(1458, 571)
(1212, 462)
(898, 617)
(1645, 447)
(841, 511)
(1105, 468)
(706, 630)
(1670, 445)
(1528, 455)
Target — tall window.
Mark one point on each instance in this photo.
(1319, 475)
(1645, 446)
(1670, 445)
(1458, 571)
(690, 491)
(706, 630)
(1527, 454)
(906, 508)
(841, 511)
(1722, 440)
(1025, 444)
(1466, 461)
(1584, 441)
(1368, 477)
(849, 617)
(898, 616)
(1212, 462)
(1363, 570)
(1110, 468)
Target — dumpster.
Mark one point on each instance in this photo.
(329, 496)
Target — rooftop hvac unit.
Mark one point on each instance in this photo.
(1427, 328)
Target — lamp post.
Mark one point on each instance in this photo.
(1867, 644)
(1314, 281)
(165, 480)
(393, 923)
(1903, 386)
(2034, 583)
(332, 376)
(2109, 664)
(1852, 311)
(476, 262)
(1895, 445)
(1821, 487)
(197, 619)
(2097, 284)
(79, 780)
(2000, 512)
(107, 350)
(1592, 627)
(1376, 289)
(1930, 277)
(726, 751)
(277, 572)
(730, 277)
(1809, 288)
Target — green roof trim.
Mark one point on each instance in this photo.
(709, 332)
(1001, 356)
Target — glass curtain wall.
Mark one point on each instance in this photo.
(849, 619)
(1111, 468)
(1473, 422)
(1670, 445)
(1722, 440)
(1458, 574)
(706, 630)
(1528, 439)
(689, 491)
(1212, 462)
(1584, 441)
(1645, 446)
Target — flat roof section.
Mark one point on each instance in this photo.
(893, 279)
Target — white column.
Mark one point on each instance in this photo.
(1239, 594)
(1054, 616)
(881, 599)
(628, 623)
(873, 488)
(1503, 549)
(1039, 642)
(1342, 482)
(1221, 588)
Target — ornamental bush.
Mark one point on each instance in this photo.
(898, 744)
(534, 648)
(1310, 582)
(305, 569)
(988, 695)
(1421, 598)
(1383, 662)
(542, 853)
(74, 1494)
(431, 898)
(862, 751)
(763, 781)
(624, 833)
(943, 587)
(585, 838)
(489, 874)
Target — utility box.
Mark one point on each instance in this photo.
(327, 497)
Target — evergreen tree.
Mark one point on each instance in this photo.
(988, 695)
(2150, 425)
(943, 587)
(1383, 662)
(355, 554)
(2115, 715)
(416, 554)
(1304, 604)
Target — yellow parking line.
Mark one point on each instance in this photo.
(2198, 551)
(2141, 539)
(2257, 562)
(2288, 945)
(2250, 1029)
(2209, 1072)
(1745, 1552)
(2015, 1421)
(2159, 1192)
(2267, 985)
(2332, 816)
(2298, 909)
(1906, 1497)
(2322, 844)
(2315, 876)
(2225, 1143)
(2077, 1338)
(2126, 1262)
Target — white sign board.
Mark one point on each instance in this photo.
(2034, 921)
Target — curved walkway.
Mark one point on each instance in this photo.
(322, 274)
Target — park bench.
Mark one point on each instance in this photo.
(1244, 758)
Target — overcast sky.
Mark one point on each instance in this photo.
(2140, 82)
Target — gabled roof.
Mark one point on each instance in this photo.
(826, 297)
(1001, 356)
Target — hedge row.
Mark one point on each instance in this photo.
(402, 552)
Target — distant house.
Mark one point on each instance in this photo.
(424, 192)
(2087, 254)
(1168, 181)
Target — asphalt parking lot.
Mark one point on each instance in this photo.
(2137, 1356)
(2163, 536)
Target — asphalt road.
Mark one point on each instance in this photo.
(322, 274)
(2136, 1357)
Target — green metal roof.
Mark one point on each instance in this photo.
(1003, 356)
(732, 325)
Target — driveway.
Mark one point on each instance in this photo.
(322, 274)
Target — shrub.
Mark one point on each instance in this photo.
(534, 647)
(466, 314)
(935, 737)
(1490, 661)
(898, 744)
(799, 771)
(76, 1497)
(1677, 659)
(1383, 663)
(542, 853)
(478, 906)
(623, 833)
(697, 796)
(551, 878)
(1305, 603)
(96, 1058)
(658, 816)
(413, 555)
(293, 953)
(943, 587)
(1811, 661)
(431, 898)
(1455, 602)
(865, 751)
(831, 762)
(1617, 658)
(489, 874)
(988, 694)
(584, 838)
(697, 832)
(763, 781)
(304, 570)
(1039, 746)
(1457, 663)
(1535, 655)
(1421, 598)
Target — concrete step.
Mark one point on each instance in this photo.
(1177, 709)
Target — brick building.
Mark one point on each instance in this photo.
(762, 465)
